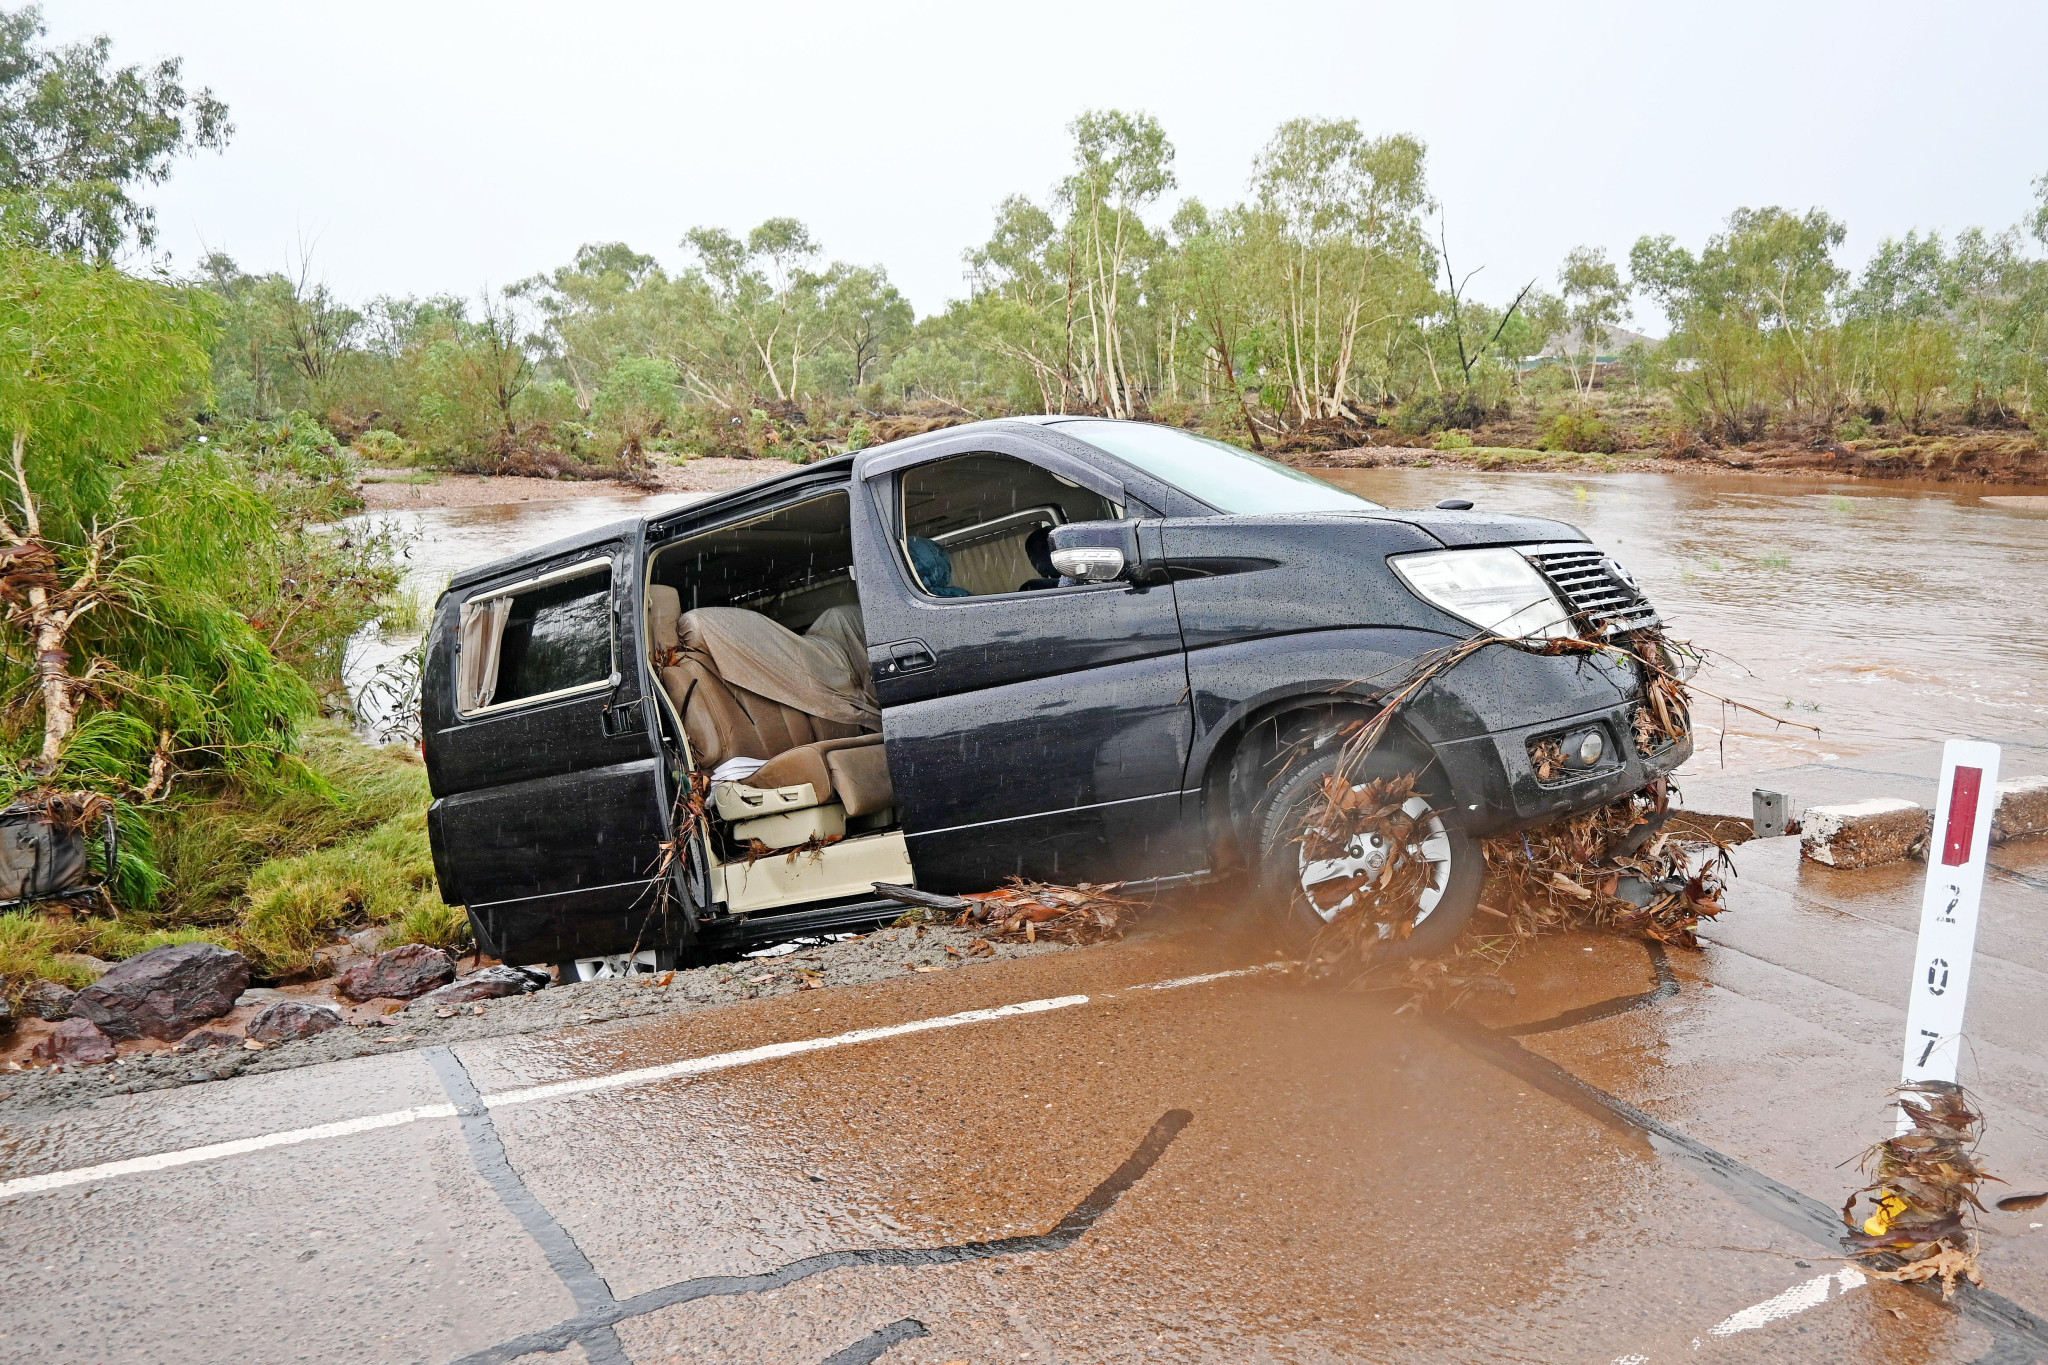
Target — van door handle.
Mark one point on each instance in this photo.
(903, 656)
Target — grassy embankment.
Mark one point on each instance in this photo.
(275, 876)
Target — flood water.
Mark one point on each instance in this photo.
(1884, 614)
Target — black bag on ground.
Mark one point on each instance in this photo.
(38, 858)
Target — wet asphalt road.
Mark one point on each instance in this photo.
(1627, 1161)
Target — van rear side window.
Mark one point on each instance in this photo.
(555, 636)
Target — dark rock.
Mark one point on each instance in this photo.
(165, 992)
(399, 974)
(202, 1039)
(49, 1000)
(484, 985)
(289, 1020)
(78, 1042)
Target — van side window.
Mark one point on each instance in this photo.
(551, 638)
(975, 524)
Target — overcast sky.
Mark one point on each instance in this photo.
(428, 146)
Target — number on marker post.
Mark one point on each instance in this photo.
(1948, 913)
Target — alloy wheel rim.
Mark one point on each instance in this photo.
(1367, 852)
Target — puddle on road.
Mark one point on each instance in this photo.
(1887, 614)
(1351, 1186)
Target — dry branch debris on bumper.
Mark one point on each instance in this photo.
(1616, 867)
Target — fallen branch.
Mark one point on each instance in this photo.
(1079, 915)
(1926, 1184)
(928, 900)
(1616, 869)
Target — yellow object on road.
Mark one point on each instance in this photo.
(1888, 1208)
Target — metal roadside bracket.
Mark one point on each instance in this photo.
(1767, 813)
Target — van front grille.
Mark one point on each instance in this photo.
(1599, 599)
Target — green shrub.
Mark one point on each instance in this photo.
(382, 447)
(430, 922)
(636, 401)
(272, 874)
(209, 845)
(548, 404)
(1453, 440)
(1579, 432)
(29, 944)
(1451, 408)
(361, 857)
(296, 904)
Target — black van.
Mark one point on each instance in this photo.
(1069, 649)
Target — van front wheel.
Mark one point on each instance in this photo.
(1310, 893)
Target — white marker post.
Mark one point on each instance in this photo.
(1958, 844)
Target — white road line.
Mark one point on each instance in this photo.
(163, 1161)
(695, 1066)
(1180, 981)
(1800, 1297)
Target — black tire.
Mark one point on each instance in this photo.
(1458, 877)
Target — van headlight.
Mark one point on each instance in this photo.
(1496, 590)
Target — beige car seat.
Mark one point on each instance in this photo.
(841, 762)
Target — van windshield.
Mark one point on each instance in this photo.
(1228, 479)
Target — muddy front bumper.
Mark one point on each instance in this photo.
(1492, 774)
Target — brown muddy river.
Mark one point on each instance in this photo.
(1884, 614)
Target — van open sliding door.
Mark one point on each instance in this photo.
(552, 800)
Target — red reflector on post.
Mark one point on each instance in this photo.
(1962, 816)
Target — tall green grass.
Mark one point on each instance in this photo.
(277, 873)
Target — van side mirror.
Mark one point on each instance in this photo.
(1090, 563)
(1095, 551)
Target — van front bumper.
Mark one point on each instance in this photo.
(1494, 777)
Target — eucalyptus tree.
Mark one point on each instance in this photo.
(1903, 318)
(1022, 308)
(79, 135)
(1210, 278)
(1341, 212)
(1595, 300)
(1123, 163)
(612, 302)
(1755, 317)
(465, 374)
(286, 341)
(868, 318)
(1968, 322)
(766, 299)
